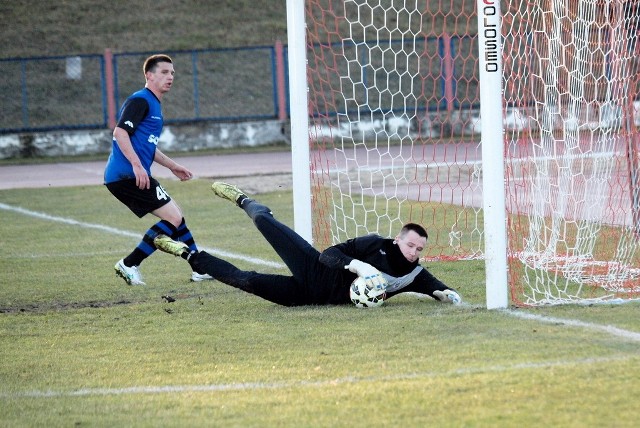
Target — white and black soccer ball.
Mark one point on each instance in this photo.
(365, 296)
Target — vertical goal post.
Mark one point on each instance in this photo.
(301, 174)
(493, 175)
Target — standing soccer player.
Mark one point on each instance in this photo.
(128, 171)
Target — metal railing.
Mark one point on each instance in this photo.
(232, 84)
(84, 91)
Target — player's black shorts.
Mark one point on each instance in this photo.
(140, 201)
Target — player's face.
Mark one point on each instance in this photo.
(411, 245)
(161, 78)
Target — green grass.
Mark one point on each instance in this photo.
(88, 26)
(78, 347)
(37, 28)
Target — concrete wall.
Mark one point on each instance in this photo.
(174, 138)
(203, 135)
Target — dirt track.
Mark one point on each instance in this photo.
(272, 168)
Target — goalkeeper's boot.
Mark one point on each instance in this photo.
(228, 192)
(168, 245)
(131, 274)
(448, 296)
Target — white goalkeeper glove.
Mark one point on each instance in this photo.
(371, 275)
(448, 296)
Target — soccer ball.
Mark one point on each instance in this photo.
(364, 296)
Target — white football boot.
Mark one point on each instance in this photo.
(131, 275)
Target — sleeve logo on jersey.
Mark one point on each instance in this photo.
(153, 139)
(129, 123)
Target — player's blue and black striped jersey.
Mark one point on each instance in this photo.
(141, 117)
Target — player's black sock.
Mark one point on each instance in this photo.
(183, 234)
(146, 247)
(135, 258)
(187, 256)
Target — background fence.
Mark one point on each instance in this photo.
(234, 84)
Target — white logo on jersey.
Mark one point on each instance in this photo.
(153, 139)
(129, 123)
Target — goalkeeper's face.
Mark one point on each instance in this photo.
(411, 245)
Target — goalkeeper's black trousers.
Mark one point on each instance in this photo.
(311, 282)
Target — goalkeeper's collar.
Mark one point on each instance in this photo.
(397, 261)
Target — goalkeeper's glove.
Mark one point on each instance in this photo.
(371, 275)
(448, 296)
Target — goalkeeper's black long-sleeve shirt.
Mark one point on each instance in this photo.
(381, 253)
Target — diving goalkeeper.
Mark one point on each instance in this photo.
(319, 278)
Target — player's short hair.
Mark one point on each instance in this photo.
(421, 231)
(151, 62)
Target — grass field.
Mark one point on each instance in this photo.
(80, 348)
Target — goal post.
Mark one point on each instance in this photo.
(493, 176)
(301, 174)
(507, 129)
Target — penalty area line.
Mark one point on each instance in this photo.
(114, 231)
(255, 386)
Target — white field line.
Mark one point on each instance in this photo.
(608, 329)
(114, 231)
(628, 335)
(254, 386)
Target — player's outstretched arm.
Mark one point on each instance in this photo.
(437, 289)
(178, 170)
(426, 283)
